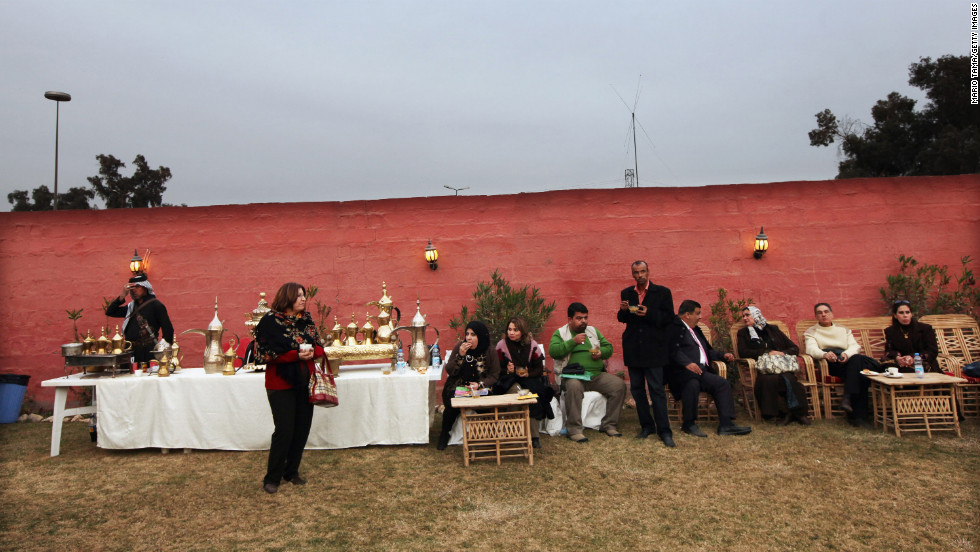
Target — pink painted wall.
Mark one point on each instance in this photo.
(833, 241)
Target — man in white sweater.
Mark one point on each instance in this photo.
(838, 347)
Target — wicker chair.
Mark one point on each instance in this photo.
(706, 405)
(870, 336)
(747, 373)
(958, 336)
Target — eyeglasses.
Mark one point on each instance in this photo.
(902, 302)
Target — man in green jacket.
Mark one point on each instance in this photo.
(577, 343)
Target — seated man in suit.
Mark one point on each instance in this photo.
(581, 344)
(690, 372)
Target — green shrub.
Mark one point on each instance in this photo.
(926, 287)
(496, 302)
(725, 313)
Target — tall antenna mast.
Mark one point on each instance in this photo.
(632, 176)
(636, 163)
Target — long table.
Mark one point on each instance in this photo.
(194, 410)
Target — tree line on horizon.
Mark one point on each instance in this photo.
(144, 188)
(942, 138)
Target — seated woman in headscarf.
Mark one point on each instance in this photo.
(777, 392)
(522, 367)
(907, 336)
(471, 364)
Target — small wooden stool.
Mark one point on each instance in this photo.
(496, 432)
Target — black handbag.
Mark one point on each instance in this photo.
(573, 369)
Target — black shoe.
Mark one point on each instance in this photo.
(535, 442)
(804, 420)
(694, 430)
(443, 442)
(297, 480)
(845, 404)
(734, 430)
(668, 440)
(644, 434)
(270, 488)
(785, 421)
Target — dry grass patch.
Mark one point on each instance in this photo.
(826, 487)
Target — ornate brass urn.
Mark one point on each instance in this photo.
(214, 358)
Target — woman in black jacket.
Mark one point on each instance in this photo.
(907, 336)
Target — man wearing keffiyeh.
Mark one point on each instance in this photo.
(145, 317)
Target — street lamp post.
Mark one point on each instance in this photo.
(58, 97)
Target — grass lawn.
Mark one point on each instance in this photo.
(825, 487)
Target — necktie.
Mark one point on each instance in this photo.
(704, 355)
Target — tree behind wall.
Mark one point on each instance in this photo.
(43, 199)
(143, 189)
(942, 138)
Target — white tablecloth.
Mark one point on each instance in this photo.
(210, 411)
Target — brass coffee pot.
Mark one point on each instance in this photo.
(88, 346)
(337, 333)
(175, 359)
(386, 325)
(119, 344)
(102, 345)
(230, 356)
(352, 329)
(418, 352)
(367, 331)
(214, 358)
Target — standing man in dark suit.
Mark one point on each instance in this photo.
(647, 309)
(690, 372)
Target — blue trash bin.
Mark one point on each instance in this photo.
(12, 390)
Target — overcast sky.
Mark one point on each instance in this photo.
(254, 102)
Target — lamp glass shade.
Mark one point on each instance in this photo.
(761, 244)
(431, 253)
(136, 264)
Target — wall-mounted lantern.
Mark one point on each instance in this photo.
(761, 244)
(137, 265)
(431, 255)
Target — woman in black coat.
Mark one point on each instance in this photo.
(907, 336)
(780, 396)
(522, 367)
(471, 364)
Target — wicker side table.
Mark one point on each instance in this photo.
(493, 430)
(909, 403)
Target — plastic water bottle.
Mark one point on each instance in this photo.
(400, 365)
(919, 371)
(436, 359)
